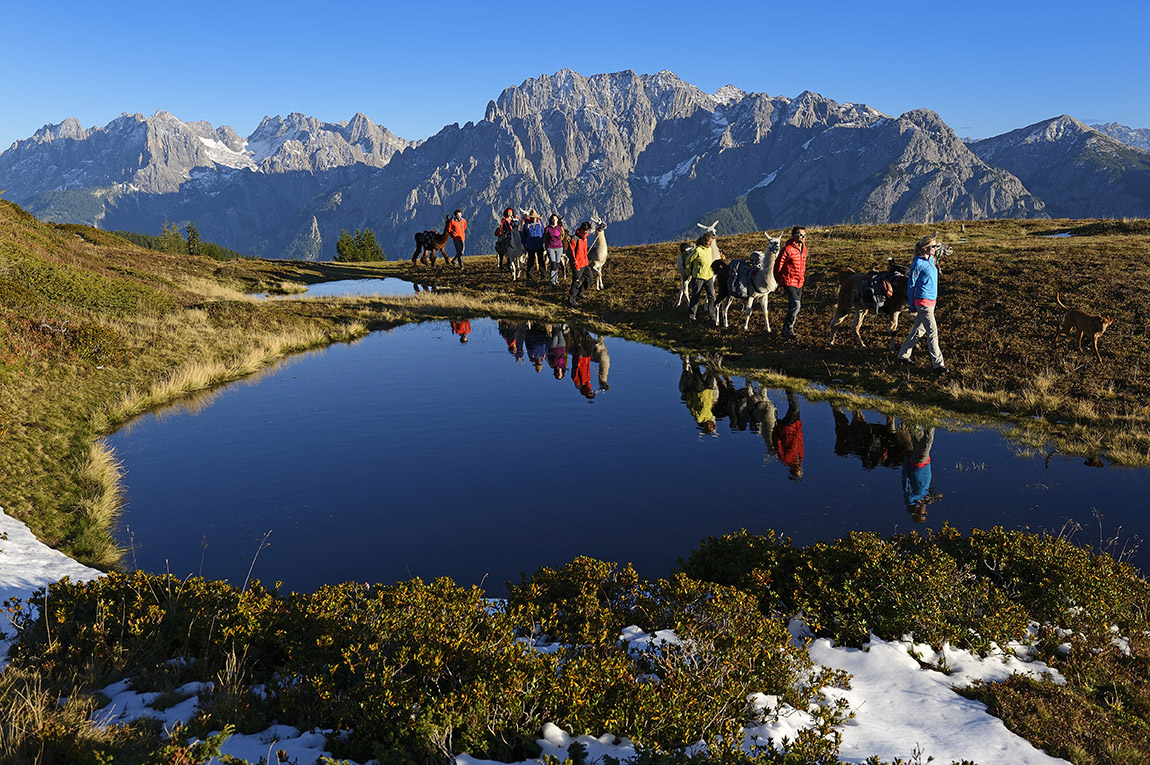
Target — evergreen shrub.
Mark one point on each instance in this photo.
(942, 587)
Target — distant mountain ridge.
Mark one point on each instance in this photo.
(1078, 171)
(650, 154)
(157, 154)
(1139, 138)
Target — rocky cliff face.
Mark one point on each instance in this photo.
(650, 154)
(1079, 172)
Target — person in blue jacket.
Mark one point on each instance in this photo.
(922, 293)
(532, 235)
(917, 475)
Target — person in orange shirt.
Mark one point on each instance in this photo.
(457, 230)
(581, 278)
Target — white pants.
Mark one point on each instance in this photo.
(924, 324)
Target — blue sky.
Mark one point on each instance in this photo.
(985, 67)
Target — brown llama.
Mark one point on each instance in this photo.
(430, 242)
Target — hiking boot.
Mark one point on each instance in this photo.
(940, 371)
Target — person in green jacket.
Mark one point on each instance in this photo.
(702, 276)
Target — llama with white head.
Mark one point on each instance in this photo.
(757, 277)
(597, 254)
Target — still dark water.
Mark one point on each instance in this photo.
(410, 453)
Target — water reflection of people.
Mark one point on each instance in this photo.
(699, 389)
(788, 438)
(917, 475)
(536, 339)
(557, 350)
(581, 346)
(514, 334)
(461, 328)
(876, 444)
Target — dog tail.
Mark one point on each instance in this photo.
(1058, 298)
(845, 274)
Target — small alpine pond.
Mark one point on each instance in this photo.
(479, 450)
(390, 286)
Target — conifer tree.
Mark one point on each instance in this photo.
(345, 247)
(194, 244)
(171, 240)
(359, 248)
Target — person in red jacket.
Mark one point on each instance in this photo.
(461, 328)
(581, 279)
(790, 272)
(788, 438)
(457, 230)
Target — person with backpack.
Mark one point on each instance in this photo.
(790, 272)
(922, 292)
(532, 235)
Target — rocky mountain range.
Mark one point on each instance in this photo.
(1078, 171)
(650, 154)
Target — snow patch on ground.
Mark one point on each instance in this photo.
(27, 565)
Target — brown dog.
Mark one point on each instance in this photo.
(1084, 324)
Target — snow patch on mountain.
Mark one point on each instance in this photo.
(219, 153)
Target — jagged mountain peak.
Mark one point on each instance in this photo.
(729, 94)
(614, 95)
(69, 129)
(649, 153)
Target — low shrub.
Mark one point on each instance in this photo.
(1055, 580)
(133, 624)
(670, 693)
(417, 672)
(966, 590)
